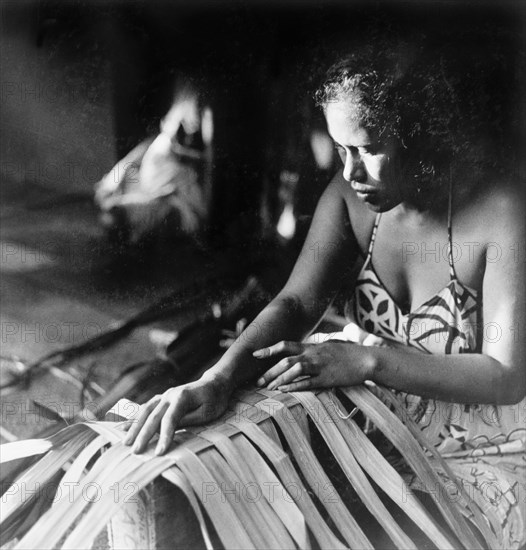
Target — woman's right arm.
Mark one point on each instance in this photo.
(328, 253)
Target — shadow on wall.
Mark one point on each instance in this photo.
(56, 102)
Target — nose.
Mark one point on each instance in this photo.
(353, 168)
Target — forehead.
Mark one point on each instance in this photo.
(345, 125)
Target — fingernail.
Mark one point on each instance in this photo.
(136, 449)
(283, 388)
(261, 382)
(258, 354)
(271, 386)
(159, 450)
(128, 441)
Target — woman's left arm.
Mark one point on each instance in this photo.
(497, 375)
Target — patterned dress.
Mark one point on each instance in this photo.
(485, 445)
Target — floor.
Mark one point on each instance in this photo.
(61, 283)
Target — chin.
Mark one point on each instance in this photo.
(379, 205)
(375, 207)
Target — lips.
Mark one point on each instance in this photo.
(362, 189)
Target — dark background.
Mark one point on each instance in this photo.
(85, 81)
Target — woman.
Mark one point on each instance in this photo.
(443, 276)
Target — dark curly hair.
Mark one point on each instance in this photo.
(441, 107)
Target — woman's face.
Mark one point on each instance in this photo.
(368, 163)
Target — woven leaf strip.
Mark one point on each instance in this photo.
(352, 470)
(402, 439)
(316, 476)
(283, 465)
(384, 475)
(272, 523)
(475, 509)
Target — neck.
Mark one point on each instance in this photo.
(415, 217)
(429, 200)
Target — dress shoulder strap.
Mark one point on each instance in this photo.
(452, 273)
(373, 235)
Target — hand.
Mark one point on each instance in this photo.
(308, 366)
(194, 403)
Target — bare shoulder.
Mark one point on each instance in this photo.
(504, 197)
(499, 211)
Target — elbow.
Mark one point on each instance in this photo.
(290, 304)
(516, 395)
(512, 386)
(300, 312)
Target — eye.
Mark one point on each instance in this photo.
(372, 149)
(341, 151)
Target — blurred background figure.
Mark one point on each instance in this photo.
(162, 187)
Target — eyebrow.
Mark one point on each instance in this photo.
(369, 144)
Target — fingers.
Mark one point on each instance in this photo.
(300, 385)
(162, 413)
(139, 422)
(288, 370)
(298, 369)
(283, 347)
(149, 427)
(127, 424)
(169, 423)
(186, 412)
(278, 369)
